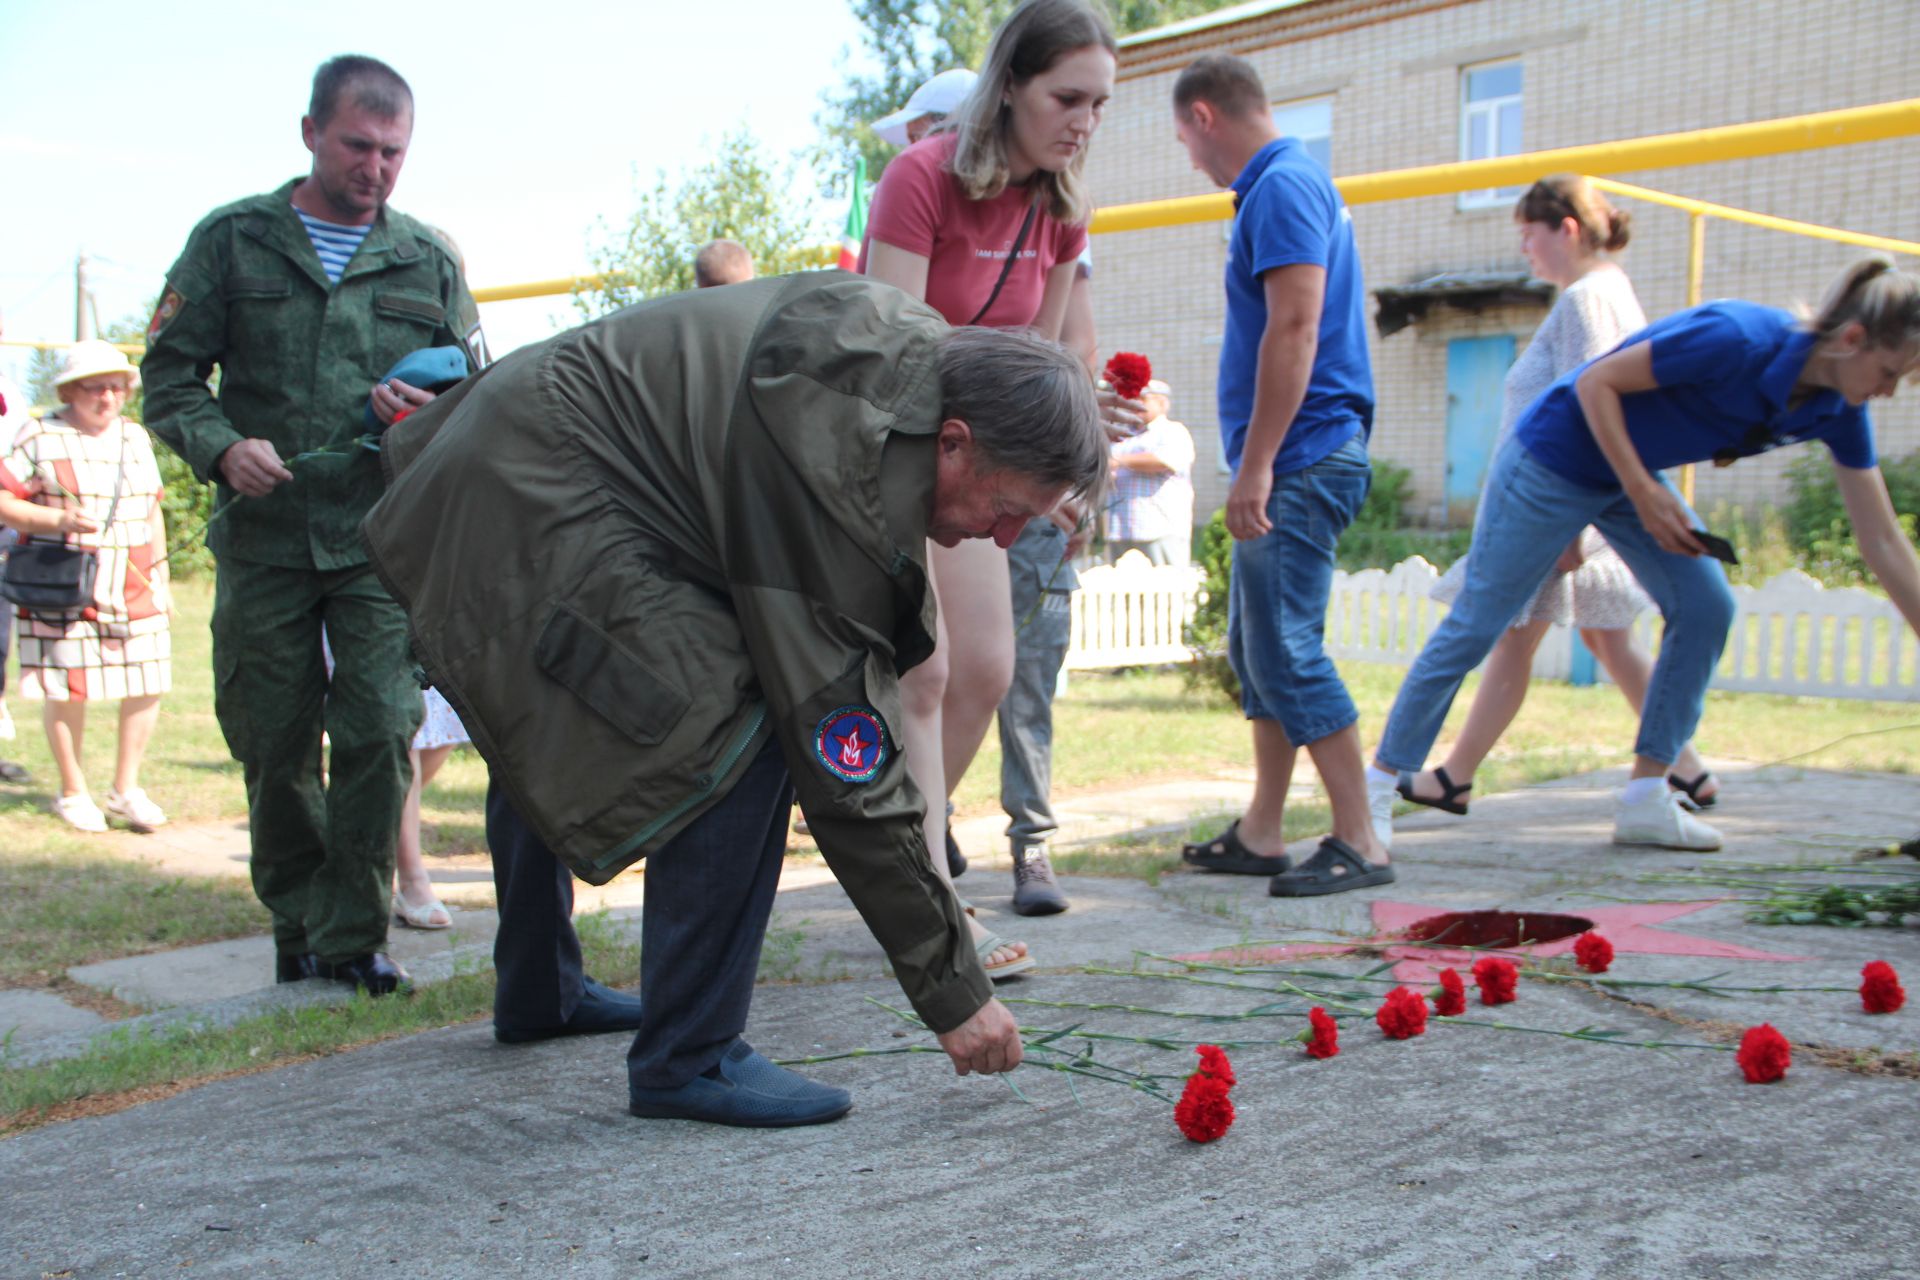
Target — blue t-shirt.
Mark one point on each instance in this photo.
(1287, 211)
(1726, 371)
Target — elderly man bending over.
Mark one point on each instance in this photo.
(669, 567)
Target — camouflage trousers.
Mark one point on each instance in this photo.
(322, 852)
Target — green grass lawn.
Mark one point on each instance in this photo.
(62, 903)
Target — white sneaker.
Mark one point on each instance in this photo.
(1380, 809)
(134, 809)
(6, 724)
(1660, 820)
(81, 812)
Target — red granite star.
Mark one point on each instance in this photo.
(1626, 927)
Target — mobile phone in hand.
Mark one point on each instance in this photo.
(1717, 547)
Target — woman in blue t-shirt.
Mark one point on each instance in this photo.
(1719, 382)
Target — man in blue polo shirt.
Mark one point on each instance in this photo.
(1296, 405)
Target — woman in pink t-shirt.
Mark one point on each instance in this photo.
(985, 219)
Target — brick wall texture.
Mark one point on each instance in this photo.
(1595, 70)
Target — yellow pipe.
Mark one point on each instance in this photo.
(1665, 150)
(131, 348)
(1696, 276)
(1730, 214)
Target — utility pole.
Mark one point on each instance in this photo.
(82, 308)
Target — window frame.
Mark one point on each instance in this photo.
(1489, 109)
(1311, 100)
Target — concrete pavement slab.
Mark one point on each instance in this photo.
(1465, 1151)
(32, 1015)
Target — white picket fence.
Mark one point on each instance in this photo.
(1790, 636)
(1132, 614)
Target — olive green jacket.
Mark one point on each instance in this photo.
(632, 552)
(297, 358)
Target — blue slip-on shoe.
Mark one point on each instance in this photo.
(601, 1009)
(751, 1092)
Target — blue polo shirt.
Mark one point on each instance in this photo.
(1726, 371)
(1287, 211)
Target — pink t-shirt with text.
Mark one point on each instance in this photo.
(919, 206)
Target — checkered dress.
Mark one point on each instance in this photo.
(124, 648)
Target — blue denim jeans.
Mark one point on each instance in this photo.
(1528, 515)
(1277, 598)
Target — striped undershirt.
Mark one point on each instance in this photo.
(334, 243)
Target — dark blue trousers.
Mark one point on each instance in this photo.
(709, 893)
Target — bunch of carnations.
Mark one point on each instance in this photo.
(1128, 374)
(1204, 1111)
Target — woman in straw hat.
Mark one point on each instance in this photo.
(87, 476)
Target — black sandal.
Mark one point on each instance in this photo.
(11, 772)
(1691, 790)
(1225, 853)
(1334, 868)
(1445, 803)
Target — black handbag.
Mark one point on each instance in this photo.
(53, 581)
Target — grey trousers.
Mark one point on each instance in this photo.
(1043, 582)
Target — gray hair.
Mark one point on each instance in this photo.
(721, 262)
(1028, 402)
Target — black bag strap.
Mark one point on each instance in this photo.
(1019, 242)
(119, 480)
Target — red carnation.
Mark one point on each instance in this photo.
(1592, 952)
(1325, 1042)
(1451, 1000)
(1204, 1111)
(1404, 1015)
(1496, 977)
(1880, 989)
(1764, 1054)
(1213, 1062)
(1129, 374)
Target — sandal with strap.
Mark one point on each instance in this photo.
(1446, 803)
(992, 942)
(432, 914)
(1334, 868)
(1691, 791)
(1226, 853)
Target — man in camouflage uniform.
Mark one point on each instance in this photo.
(304, 298)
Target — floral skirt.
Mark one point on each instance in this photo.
(1601, 594)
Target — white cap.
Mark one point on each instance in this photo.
(939, 96)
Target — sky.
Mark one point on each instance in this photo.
(129, 122)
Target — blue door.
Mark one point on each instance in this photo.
(1476, 371)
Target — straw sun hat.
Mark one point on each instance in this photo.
(94, 358)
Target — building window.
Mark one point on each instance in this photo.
(1311, 121)
(1490, 123)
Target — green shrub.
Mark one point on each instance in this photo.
(1207, 632)
(185, 504)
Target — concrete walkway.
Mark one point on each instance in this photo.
(1465, 1151)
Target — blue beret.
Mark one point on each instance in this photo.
(430, 369)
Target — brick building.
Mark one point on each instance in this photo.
(1387, 84)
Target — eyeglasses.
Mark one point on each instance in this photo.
(104, 386)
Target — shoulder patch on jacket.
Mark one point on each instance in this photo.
(851, 743)
(170, 304)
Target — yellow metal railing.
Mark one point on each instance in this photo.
(1669, 150)
(1698, 211)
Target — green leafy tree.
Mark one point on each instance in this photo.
(911, 41)
(739, 194)
(185, 502)
(42, 368)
